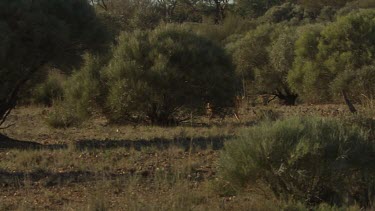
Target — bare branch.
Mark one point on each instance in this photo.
(6, 127)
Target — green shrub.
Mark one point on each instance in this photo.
(83, 92)
(158, 77)
(364, 120)
(161, 76)
(263, 58)
(369, 106)
(62, 116)
(310, 160)
(266, 114)
(50, 90)
(336, 58)
(82, 95)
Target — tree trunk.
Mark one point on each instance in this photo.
(5, 109)
(288, 98)
(217, 12)
(348, 102)
(161, 115)
(7, 104)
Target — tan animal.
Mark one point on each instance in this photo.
(210, 109)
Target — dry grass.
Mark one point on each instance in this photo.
(108, 167)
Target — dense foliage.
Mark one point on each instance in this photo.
(264, 57)
(314, 51)
(82, 94)
(163, 62)
(34, 34)
(160, 74)
(159, 77)
(311, 160)
(337, 58)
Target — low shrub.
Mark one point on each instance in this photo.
(62, 116)
(362, 120)
(267, 114)
(310, 160)
(368, 104)
(50, 90)
(82, 94)
(83, 89)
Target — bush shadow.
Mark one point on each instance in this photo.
(9, 143)
(203, 143)
(49, 179)
(187, 143)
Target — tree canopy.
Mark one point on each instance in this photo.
(34, 34)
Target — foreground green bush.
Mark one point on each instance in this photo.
(311, 160)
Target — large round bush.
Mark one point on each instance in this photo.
(311, 160)
(159, 76)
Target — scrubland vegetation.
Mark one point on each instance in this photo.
(187, 105)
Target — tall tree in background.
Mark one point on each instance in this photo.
(34, 34)
(255, 8)
(167, 8)
(319, 4)
(220, 8)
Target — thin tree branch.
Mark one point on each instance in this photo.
(6, 127)
(11, 101)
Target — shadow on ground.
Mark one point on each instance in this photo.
(48, 179)
(214, 143)
(9, 143)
